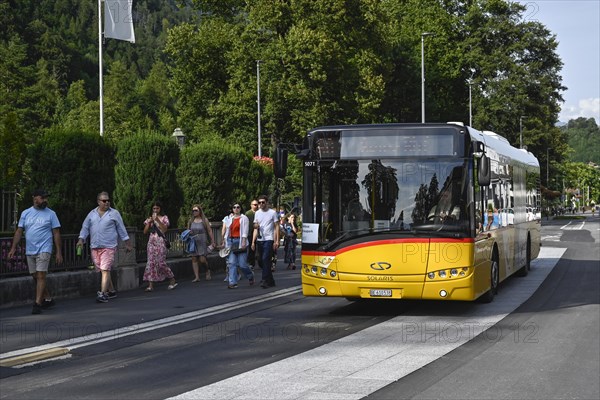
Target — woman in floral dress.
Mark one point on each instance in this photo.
(157, 269)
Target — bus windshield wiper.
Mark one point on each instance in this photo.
(440, 230)
(342, 237)
(364, 231)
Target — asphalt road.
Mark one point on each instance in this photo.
(550, 346)
(204, 341)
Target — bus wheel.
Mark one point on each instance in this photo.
(488, 296)
(527, 267)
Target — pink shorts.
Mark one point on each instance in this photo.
(104, 258)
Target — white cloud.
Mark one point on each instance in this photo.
(590, 106)
(586, 108)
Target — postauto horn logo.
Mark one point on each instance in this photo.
(380, 266)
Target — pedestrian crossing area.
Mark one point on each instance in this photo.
(570, 226)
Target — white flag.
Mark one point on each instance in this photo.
(118, 20)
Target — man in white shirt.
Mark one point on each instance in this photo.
(265, 238)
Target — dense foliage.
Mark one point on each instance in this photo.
(584, 138)
(216, 173)
(145, 172)
(73, 166)
(194, 66)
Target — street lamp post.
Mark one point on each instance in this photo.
(547, 164)
(258, 104)
(470, 82)
(521, 131)
(423, 74)
(179, 137)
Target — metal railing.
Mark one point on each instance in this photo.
(17, 266)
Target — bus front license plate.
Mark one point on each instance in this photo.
(380, 292)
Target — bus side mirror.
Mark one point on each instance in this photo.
(280, 162)
(478, 149)
(484, 175)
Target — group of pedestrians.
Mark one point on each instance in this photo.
(247, 238)
(103, 225)
(254, 237)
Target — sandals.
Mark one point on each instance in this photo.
(172, 286)
(149, 289)
(196, 280)
(208, 277)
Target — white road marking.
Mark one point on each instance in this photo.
(364, 362)
(113, 334)
(568, 226)
(551, 238)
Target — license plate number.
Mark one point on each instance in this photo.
(380, 292)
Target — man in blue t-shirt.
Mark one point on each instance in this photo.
(41, 227)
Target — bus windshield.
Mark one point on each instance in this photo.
(356, 197)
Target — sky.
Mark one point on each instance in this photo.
(576, 24)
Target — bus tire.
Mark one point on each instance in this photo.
(488, 296)
(527, 267)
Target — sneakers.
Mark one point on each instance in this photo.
(37, 308)
(112, 295)
(172, 286)
(232, 286)
(48, 303)
(101, 298)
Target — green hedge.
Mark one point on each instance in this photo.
(215, 174)
(73, 166)
(145, 171)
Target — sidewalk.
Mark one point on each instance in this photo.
(85, 283)
(30, 338)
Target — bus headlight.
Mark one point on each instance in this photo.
(449, 273)
(320, 271)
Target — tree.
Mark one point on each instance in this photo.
(13, 151)
(216, 173)
(584, 138)
(73, 166)
(516, 72)
(584, 178)
(145, 172)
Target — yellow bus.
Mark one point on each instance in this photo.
(415, 211)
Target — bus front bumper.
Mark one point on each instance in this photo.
(458, 289)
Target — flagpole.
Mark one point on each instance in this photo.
(100, 66)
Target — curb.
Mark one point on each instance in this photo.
(36, 356)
